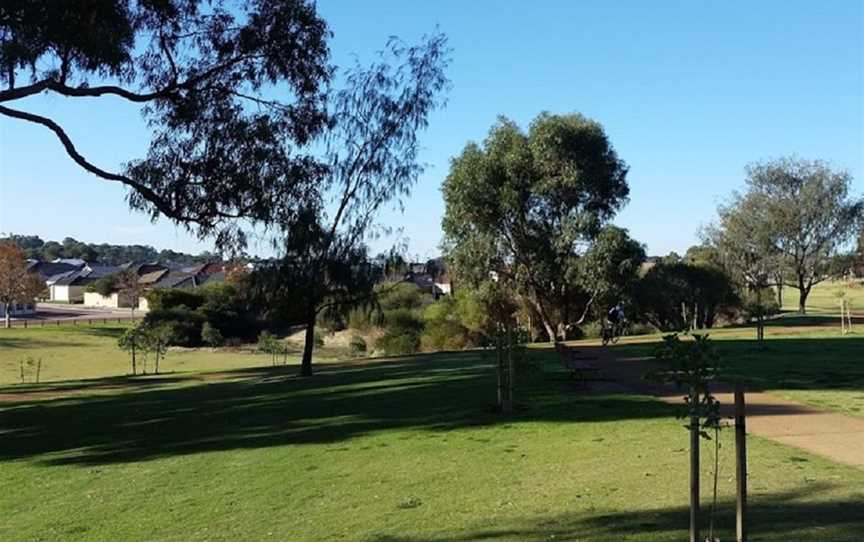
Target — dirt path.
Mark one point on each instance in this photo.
(830, 434)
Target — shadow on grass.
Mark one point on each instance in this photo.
(794, 515)
(268, 407)
(33, 344)
(783, 363)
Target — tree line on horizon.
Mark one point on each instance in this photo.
(102, 253)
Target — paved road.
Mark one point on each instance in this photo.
(49, 311)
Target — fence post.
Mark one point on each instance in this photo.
(740, 464)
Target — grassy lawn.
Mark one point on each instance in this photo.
(81, 352)
(805, 358)
(390, 450)
(823, 300)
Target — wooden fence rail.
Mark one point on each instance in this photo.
(27, 323)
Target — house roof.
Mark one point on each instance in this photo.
(152, 277)
(176, 279)
(51, 269)
(85, 276)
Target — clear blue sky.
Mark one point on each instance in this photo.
(689, 92)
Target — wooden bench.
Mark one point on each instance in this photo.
(579, 367)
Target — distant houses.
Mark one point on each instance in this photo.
(70, 281)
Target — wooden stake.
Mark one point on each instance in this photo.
(740, 464)
(694, 471)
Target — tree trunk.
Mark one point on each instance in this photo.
(308, 345)
(780, 295)
(803, 292)
(8, 315)
(134, 361)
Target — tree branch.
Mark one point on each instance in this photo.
(73, 153)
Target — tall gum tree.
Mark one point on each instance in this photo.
(526, 207)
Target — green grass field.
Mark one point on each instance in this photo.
(404, 450)
(81, 352)
(823, 298)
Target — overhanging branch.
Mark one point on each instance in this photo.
(79, 159)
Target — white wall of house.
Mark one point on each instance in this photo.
(143, 305)
(114, 301)
(69, 294)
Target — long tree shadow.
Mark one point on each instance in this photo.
(265, 408)
(799, 515)
(783, 363)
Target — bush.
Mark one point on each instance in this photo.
(402, 332)
(170, 298)
(398, 343)
(211, 335)
(184, 325)
(357, 345)
(443, 329)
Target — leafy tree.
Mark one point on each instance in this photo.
(748, 249)
(205, 75)
(211, 335)
(130, 288)
(680, 296)
(156, 339)
(610, 268)
(105, 286)
(524, 207)
(371, 155)
(17, 283)
(133, 341)
(810, 213)
(268, 344)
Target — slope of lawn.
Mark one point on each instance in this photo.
(390, 450)
(823, 298)
(70, 352)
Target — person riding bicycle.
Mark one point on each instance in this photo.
(615, 316)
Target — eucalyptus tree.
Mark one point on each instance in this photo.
(747, 246)
(525, 207)
(809, 211)
(230, 90)
(370, 152)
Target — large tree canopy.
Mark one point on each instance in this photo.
(229, 89)
(525, 207)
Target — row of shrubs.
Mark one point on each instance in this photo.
(212, 315)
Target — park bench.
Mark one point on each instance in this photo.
(579, 367)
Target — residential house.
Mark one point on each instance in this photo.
(71, 288)
(187, 277)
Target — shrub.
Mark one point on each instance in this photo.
(105, 286)
(211, 335)
(398, 342)
(169, 298)
(704, 293)
(357, 345)
(318, 339)
(183, 324)
(402, 332)
(443, 329)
